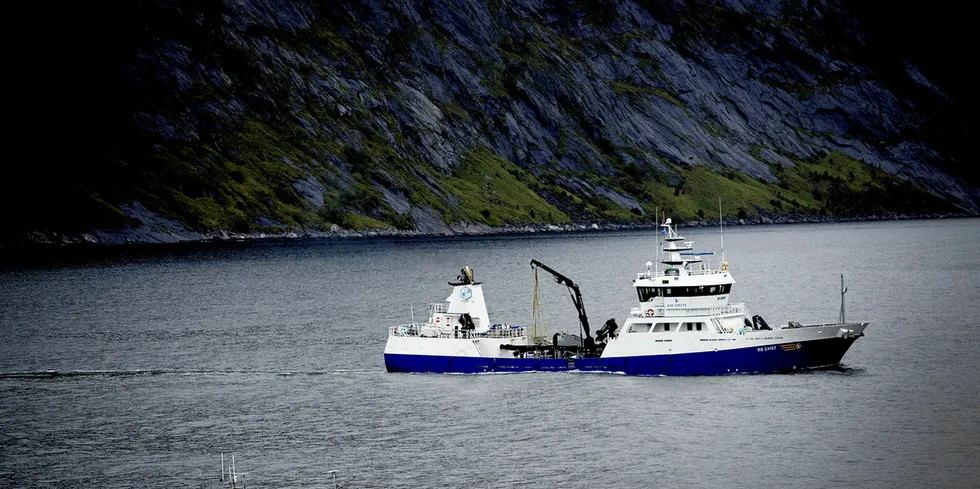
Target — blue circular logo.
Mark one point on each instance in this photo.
(466, 293)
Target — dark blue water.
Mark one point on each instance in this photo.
(138, 367)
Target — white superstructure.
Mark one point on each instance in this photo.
(459, 326)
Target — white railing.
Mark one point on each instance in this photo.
(496, 331)
(706, 272)
(676, 273)
(505, 331)
(721, 327)
(660, 311)
(412, 329)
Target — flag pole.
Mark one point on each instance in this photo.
(843, 290)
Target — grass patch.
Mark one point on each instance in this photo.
(454, 112)
(494, 191)
(353, 220)
(701, 187)
(836, 183)
(635, 92)
(207, 189)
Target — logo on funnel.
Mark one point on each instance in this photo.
(466, 293)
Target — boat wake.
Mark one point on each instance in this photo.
(60, 374)
(840, 369)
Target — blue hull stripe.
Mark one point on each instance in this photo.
(809, 354)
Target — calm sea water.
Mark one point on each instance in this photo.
(140, 366)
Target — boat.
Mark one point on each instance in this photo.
(684, 324)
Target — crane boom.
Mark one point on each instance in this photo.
(574, 291)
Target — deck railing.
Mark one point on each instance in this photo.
(676, 273)
(496, 331)
(661, 312)
(411, 329)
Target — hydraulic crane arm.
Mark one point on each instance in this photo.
(573, 290)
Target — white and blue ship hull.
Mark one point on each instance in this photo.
(826, 348)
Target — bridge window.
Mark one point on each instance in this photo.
(700, 290)
(648, 293)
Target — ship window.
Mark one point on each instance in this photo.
(696, 291)
(699, 326)
(640, 328)
(663, 327)
(690, 326)
(648, 293)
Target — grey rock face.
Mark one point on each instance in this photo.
(363, 91)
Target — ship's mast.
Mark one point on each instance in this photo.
(657, 216)
(721, 222)
(843, 290)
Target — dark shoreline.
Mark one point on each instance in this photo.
(116, 239)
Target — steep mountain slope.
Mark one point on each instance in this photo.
(438, 116)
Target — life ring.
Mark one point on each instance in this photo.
(650, 312)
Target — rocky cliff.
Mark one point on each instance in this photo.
(180, 119)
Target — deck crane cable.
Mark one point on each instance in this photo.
(536, 315)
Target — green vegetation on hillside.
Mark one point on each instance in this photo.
(833, 184)
(494, 191)
(205, 189)
(484, 188)
(838, 184)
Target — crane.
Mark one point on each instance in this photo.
(587, 342)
